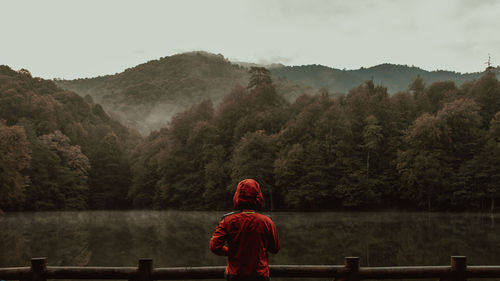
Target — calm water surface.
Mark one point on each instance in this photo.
(175, 238)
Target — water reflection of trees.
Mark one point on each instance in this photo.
(383, 239)
(174, 238)
(61, 237)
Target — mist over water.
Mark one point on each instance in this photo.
(176, 238)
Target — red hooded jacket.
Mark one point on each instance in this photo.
(248, 234)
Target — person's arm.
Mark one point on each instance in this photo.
(219, 237)
(274, 244)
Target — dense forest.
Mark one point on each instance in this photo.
(59, 150)
(430, 147)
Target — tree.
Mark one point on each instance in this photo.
(421, 164)
(15, 158)
(372, 137)
(434, 96)
(253, 158)
(59, 175)
(191, 139)
(417, 86)
(436, 151)
(60, 127)
(259, 77)
(486, 92)
(461, 129)
(143, 191)
(290, 172)
(110, 175)
(218, 190)
(233, 107)
(485, 168)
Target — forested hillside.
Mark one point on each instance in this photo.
(395, 77)
(59, 150)
(147, 96)
(431, 147)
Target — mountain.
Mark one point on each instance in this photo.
(394, 77)
(148, 95)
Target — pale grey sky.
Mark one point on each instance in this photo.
(72, 39)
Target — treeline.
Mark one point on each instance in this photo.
(59, 150)
(430, 147)
(394, 77)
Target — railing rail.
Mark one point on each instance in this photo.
(350, 271)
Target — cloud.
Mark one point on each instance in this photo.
(298, 12)
(274, 59)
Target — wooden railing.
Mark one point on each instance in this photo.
(350, 271)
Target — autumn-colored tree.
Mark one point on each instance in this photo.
(59, 175)
(57, 124)
(432, 146)
(486, 93)
(15, 157)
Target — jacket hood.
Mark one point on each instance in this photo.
(248, 195)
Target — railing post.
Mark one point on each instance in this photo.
(38, 269)
(145, 269)
(351, 265)
(459, 268)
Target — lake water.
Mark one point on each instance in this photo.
(175, 238)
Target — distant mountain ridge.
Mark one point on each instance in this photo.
(394, 77)
(148, 95)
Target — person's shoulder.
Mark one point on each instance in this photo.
(264, 216)
(230, 214)
(236, 215)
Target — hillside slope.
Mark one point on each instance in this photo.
(148, 95)
(73, 153)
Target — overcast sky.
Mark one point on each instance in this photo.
(72, 39)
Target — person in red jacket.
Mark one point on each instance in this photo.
(246, 236)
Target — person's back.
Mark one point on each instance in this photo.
(248, 234)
